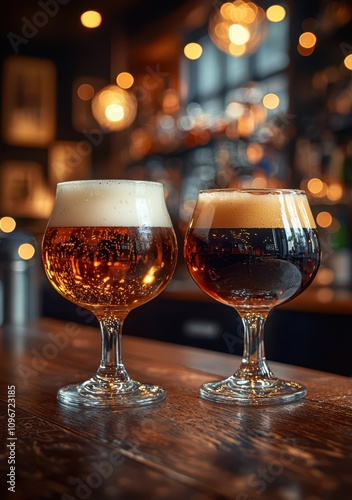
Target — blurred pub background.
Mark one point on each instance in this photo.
(194, 94)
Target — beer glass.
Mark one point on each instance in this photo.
(110, 247)
(252, 249)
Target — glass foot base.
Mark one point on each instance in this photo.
(234, 390)
(96, 393)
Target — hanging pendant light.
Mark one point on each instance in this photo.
(237, 28)
(114, 108)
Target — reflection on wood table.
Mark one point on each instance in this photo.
(182, 448)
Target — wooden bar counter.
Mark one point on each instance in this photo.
(182, 448)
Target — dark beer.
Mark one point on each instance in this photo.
(120, 267)
(252, 249)
(252, 268)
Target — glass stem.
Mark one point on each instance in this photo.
(111, 365)
(253, 365)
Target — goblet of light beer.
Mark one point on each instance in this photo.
(253, 250)
(110, 247)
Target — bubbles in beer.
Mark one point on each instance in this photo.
(108, 267)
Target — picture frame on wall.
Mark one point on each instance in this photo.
(29, 101)
(23, 190)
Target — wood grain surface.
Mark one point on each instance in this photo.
(182, 448)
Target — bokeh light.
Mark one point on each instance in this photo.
(238, 34)
(114, 112)
(307, 40)
(315, 185)
(91, 19)
(335, 192)
(114, 108)
(276, 13)
(306, 43)
(271, 101)
(348, 62)
(193, 51)
(325, 295)
(237, 27)
(170, 102)
(325, 277)
(85, 91)
(7, 224)
(324, 219)
(254, 152)
(124, 80)
(26, 251)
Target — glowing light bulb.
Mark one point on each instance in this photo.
(239, 35)
(238, 27)
(114, 112)
(114, 108)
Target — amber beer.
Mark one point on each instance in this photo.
(114, 266)
(123, 261)
(251, 255)
(109, 247)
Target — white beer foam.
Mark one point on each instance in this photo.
(109, 203)
(229, 208)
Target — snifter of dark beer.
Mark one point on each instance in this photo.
(252, 250)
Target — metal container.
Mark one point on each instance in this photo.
(19, 291)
